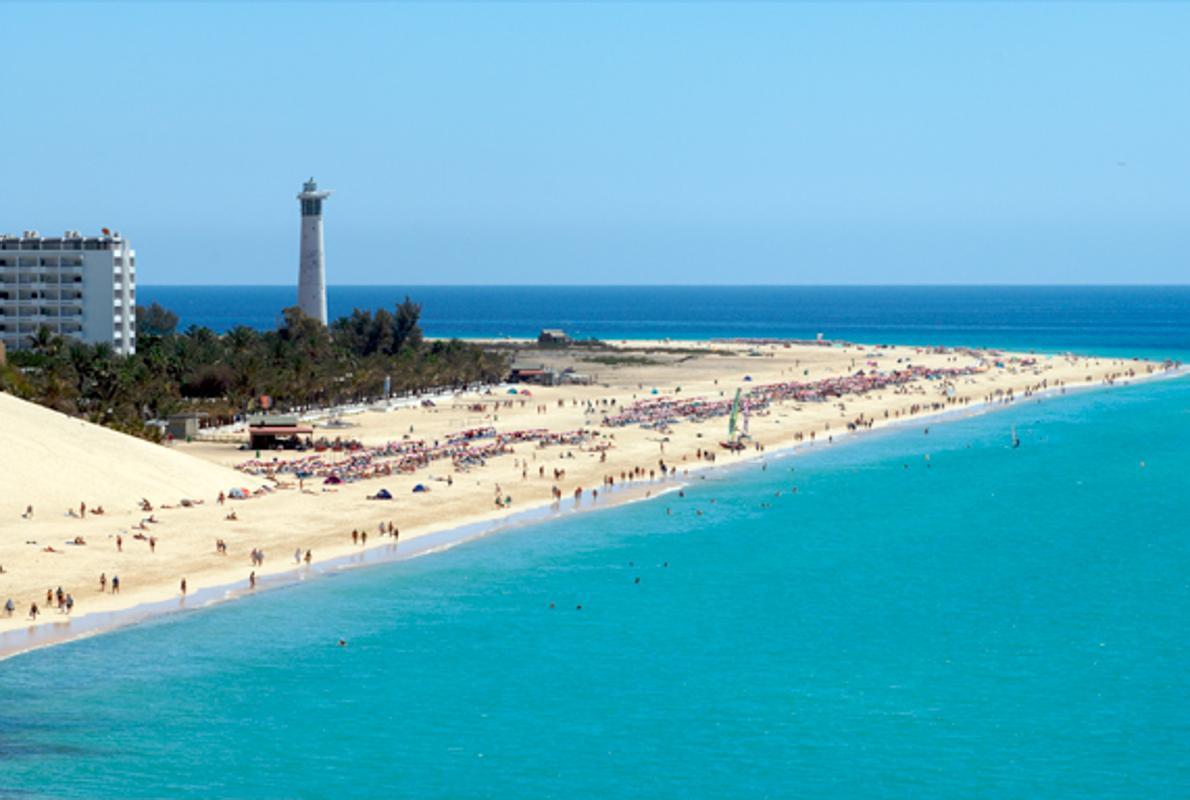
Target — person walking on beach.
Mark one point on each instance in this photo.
(34, 611)
(252, 580)
(9, 607)
(152, 544)
(363, 539)
(119, 543)
(309, 557)
(115, 584)
(297, 555)
(102, 582)
(69, 603)
(183, 587)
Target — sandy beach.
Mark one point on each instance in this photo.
(543, 443)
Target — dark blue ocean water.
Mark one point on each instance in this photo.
(1120, 320)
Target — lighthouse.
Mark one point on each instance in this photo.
(312, 270)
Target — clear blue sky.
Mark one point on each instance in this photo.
(617, 143)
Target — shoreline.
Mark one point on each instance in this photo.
(439, 538)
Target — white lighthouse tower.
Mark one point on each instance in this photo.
(312, 273)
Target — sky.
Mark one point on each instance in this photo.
(615, 143)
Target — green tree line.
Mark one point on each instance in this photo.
(300, 364)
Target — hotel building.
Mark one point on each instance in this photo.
(81, 287)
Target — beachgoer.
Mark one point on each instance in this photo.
(119, 543)
(115, 584)
(102, 582)
(252, 581)
(309, 557)
(9, 607)
(34, 611)
(152, 544)
(69, 604)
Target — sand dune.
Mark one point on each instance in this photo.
(54, 462)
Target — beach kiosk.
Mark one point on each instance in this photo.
(277, 431)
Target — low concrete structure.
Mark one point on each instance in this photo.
(184, 426)
(553, 336)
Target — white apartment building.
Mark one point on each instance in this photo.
(83, 287)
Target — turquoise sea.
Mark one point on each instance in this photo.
(988, 623)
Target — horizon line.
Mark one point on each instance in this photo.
(1120, 285)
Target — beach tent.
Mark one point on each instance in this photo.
(512, 391)
(421, 487)
(238, 493)
(384, 494)
(333, 480)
